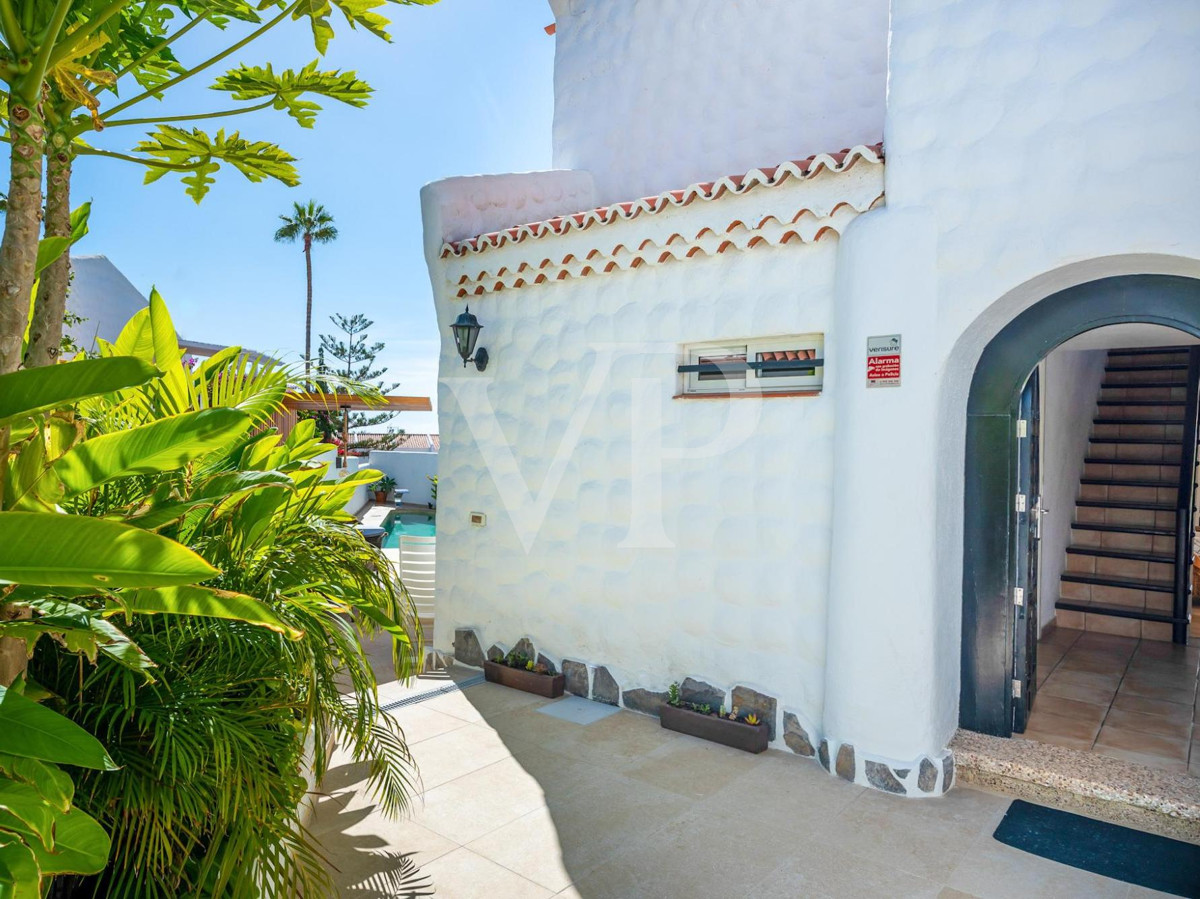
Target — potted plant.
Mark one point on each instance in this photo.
(432, 489)
(732, 728)
(520, 672)
(383, 487)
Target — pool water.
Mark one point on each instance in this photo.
(415, 525)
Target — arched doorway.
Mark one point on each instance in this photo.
(990, 525)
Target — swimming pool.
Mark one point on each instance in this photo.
(412, 524)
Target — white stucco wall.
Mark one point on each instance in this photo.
(1045, 144)
(726, 579)
(1070, 387)
(411, 470)
(650, 95)
(1031, 146)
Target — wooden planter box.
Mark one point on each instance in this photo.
(738, 734)
(548, 685)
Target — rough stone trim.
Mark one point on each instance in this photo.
(926, 776)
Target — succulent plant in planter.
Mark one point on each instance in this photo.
(383, 487)
(745, 732)
(520, 672)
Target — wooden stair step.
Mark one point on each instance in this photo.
(1131, 554)
(1145, 530)
(1105, 580)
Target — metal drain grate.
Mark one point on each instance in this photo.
(430, 694)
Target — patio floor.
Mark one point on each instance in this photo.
(516, 803)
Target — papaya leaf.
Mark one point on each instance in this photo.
(202, 156)
(288, 87)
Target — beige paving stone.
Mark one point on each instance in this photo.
(691, 767)
(451, 755)
(530, 846)
(481, 701)
(462, 874)
(822, 871)
(479, 802)
(924, 838)
(993, 870)
(420, 723)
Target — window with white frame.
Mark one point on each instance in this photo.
(766, 365)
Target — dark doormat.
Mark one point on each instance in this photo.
(1144, 859)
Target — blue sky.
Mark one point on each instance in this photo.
(465, 87)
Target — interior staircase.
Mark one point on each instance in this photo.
(1121, 561)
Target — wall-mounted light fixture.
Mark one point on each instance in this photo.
(466, 330)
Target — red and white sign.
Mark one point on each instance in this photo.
(883, 361)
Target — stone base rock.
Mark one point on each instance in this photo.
(880, 776)
(646, 701)
(765, 707)
(467, 650)
(700, 693)
(545, 660)
(525, 647)
(495, 653)
(845, 762)
(605, 688)
(577, 677)
(927, 777)
(796, 737)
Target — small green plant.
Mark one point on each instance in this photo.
(385, 484)
(733, 714)
(529, 666)
(432, 478)
(516, 659)
(752, 719)
(673, 695)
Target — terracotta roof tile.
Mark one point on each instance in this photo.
(709, 190)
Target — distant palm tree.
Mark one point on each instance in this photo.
(311, 222)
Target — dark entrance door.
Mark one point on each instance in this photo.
(1028, 536)
(991, 467)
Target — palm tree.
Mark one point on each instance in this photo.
(311, 222)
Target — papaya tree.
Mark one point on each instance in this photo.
(63, 64)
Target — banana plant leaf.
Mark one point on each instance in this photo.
(202, 601)
(35, 732)
(29, 391)
(77, 551)
(158, 447)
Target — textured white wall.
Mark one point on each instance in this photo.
(650, 95)
(1051, 143)
(732, 587)
(1031, 146)
(1070, 387)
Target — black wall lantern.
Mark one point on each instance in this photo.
(466, 330)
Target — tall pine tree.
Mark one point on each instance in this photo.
(355, 359)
